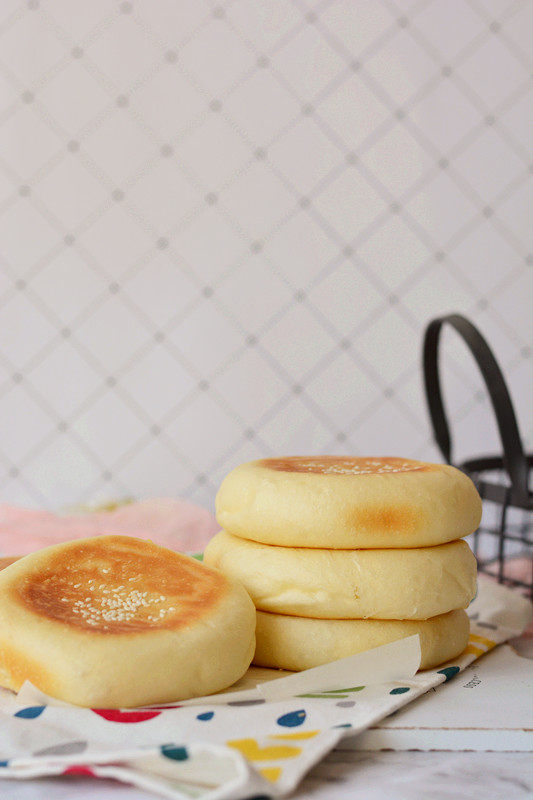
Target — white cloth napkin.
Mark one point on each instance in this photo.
(245, 743)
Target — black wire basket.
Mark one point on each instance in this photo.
(503, 544)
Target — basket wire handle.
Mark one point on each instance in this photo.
(514, 459)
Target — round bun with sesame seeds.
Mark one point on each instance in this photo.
(348, 502)
(113, 621)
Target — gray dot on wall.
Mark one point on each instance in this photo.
(495, 27)
(167, 150)
(307, 109)
(345, 344)
(111, 381)
(440, 256)
(13, 472)
(218, 12)
(162, 243)
(126, 8)
(155, 430)
(73, 146)
(529, 259)
(297, 389)
(207, 291)
(490, 119)
(482, 303)
(122, 101)
(263, 61)
(171, 56)
(395, 208)
(341, 437)
(310, 17)
(446, 71)
(304, 202)
(347, 251)
(17, 377)
(300, 296)
(33, 5)
(65, 333)
(256, 247)
(27, 97)
(355, 66)
(69, 239)
(201, 479)
(249, 433)
(114, 288)
(117, 195)
(24, 191)
(525, 352)
(388, 392)
(393, 299)
(443, 163)
(20, 284)
(215, 105)
(62, 426)
(260, 154)
(106, 475)
(211, 198)
(251, 340)
(159, 336)
(400, 113)
(203, 385)
(487, 212)
(403, 22)
(351, 158)
(480, 396)
(76, 52)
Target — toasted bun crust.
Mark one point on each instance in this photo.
(345, 502)
(414, 583)
(297, 643)
(115, 621)
(5, 561)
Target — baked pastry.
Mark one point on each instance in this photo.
(114, 621)
(412, 583)
(347, 502)
(5, 561)
(297, 643)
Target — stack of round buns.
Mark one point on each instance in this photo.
(343, 554)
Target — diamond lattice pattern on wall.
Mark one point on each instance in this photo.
(223, 228)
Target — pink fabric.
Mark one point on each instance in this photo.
(176, 524)
(519, 568)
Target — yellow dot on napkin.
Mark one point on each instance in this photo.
(300, 735)
(271, 773)
(476, 651)
(489, 643)
(251, 749)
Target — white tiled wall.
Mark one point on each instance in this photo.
(223, 228)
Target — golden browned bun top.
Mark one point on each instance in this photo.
(118, 584)
(5, 561)
(345, 465)
(349, 502)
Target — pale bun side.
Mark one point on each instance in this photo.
(114, 621)
(413, 583)
(348, 502)
(297, 643)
